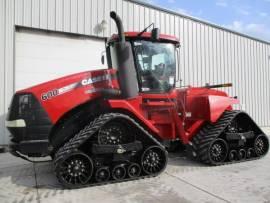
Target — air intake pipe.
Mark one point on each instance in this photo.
(121, 52)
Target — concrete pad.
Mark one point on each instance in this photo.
(183, 181)
(242, 182)
(7, 160)
(17, 180)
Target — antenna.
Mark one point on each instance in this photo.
(145, 29)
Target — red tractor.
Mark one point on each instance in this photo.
(114, 125)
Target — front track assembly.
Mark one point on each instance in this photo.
(234, 138)
(112, 148)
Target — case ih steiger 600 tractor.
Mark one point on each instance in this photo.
(114, 125)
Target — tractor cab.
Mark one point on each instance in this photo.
(146, 61)
(155, 61)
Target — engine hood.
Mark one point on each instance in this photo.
(59, 82)
(61, 95)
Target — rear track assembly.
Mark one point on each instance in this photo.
(230, 140)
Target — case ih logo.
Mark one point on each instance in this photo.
(95, 79)
(88, 81)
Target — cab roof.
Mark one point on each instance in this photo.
(146, 36)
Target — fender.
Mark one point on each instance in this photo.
(218, 104)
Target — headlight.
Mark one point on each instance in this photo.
(24, 104)
(21, 106)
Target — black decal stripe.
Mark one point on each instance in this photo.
(90, 80)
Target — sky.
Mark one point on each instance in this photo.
(251, 17)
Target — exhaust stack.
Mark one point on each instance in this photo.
(119, 26)
(124, 62)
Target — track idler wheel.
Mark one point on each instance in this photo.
(75, 170)
(218, 151)
(134, 170)
(154, 160)
(233, 155)
(102, 174)
(119, 172)
(242, 154)
(261, 145)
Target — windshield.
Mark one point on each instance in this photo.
(156, 65)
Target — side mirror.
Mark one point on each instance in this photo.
(155, 34)
(103, 57)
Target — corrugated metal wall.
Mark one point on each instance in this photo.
(209, 53)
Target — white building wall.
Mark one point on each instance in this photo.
(2, 71)
(210, 54)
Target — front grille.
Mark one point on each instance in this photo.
(25, 106)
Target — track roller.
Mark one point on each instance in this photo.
(134, 170)
(232, 155)
(102, 174)
(250, 153)
(75, 170)
(242, 154)
(119, 172)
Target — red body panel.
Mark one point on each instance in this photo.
(66, 93)
(147, 35)
(178, 114)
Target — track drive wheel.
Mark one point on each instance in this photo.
(261, 145)
(113, 133)
(75, 170)
(154, 160)
(218, 151)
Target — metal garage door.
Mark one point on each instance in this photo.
(41, 56)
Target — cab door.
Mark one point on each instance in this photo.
(155, 62)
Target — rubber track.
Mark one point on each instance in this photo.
(80, 138)
(202, 141)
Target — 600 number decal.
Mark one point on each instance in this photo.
(49, 95)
